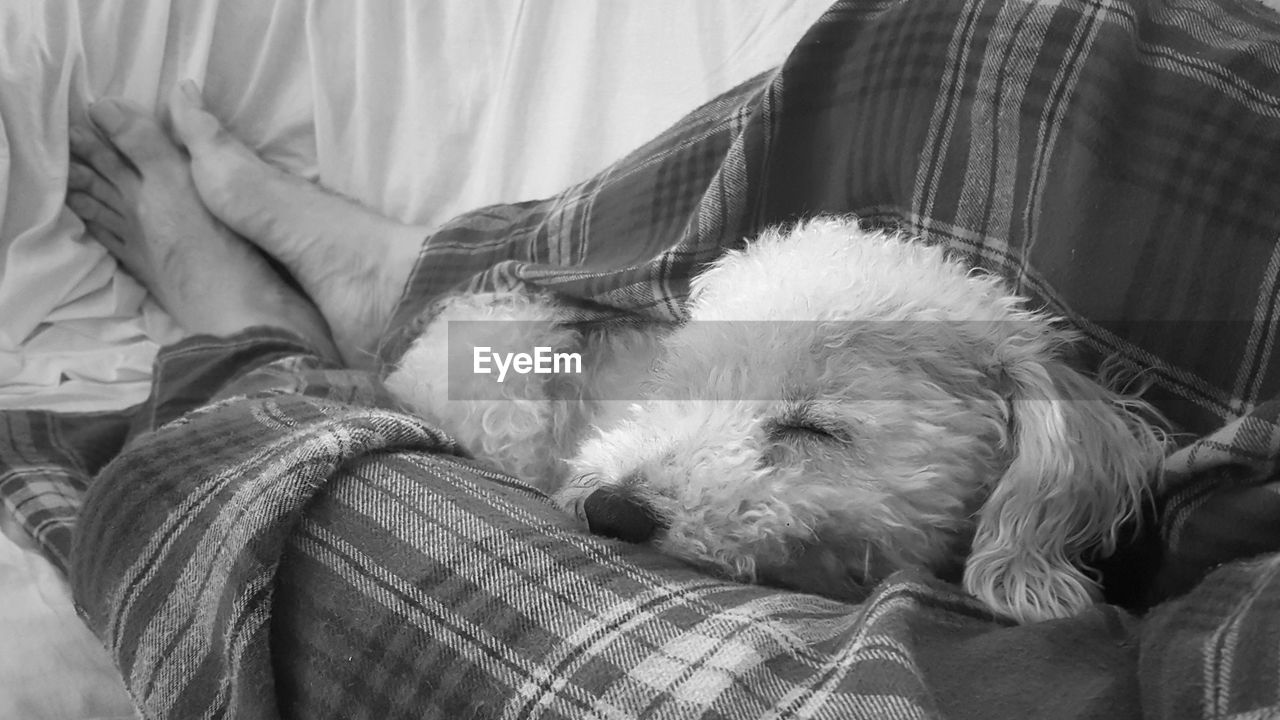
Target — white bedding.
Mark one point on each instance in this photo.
(419, 108)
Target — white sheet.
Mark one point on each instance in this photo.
(51, 666)
(419, 108)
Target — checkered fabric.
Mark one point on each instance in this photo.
(300, 549)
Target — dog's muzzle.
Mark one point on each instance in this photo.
(614, 512)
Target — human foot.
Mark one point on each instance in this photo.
(352, 262)
(132, 188)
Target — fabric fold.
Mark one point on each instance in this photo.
(309, 551)
(178, 546)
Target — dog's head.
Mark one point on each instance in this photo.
(843, 404)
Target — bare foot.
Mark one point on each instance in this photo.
(132, 187)
(352, 262)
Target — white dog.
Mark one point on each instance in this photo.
(840, 404)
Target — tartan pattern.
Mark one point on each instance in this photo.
(46, 462)
(1098, 153)
(47, 458)
(1222, 635)
(194, 641)
(419, 584)
(650, 635)
(1221, 499)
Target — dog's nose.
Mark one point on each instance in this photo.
(616, 513)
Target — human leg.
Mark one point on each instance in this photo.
(352, 262)
(132, 187)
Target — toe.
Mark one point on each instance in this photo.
(79, 177)
(89, 150)
(90, 210)
(119, 249)
(225, 172)
(133, 132)
(83, 179)
(193, 125)
(105, 237)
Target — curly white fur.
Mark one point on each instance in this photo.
(839, 405)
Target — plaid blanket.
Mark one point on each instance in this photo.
(267, 536)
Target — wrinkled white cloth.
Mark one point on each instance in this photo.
(421, 110)
(51, 665)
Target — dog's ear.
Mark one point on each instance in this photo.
(1083, 458)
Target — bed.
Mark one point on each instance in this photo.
(1144, 134)
(422, 110)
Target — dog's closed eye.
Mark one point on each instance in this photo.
(805, 429)
(793, 437)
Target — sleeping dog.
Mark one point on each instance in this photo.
(840, 404)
